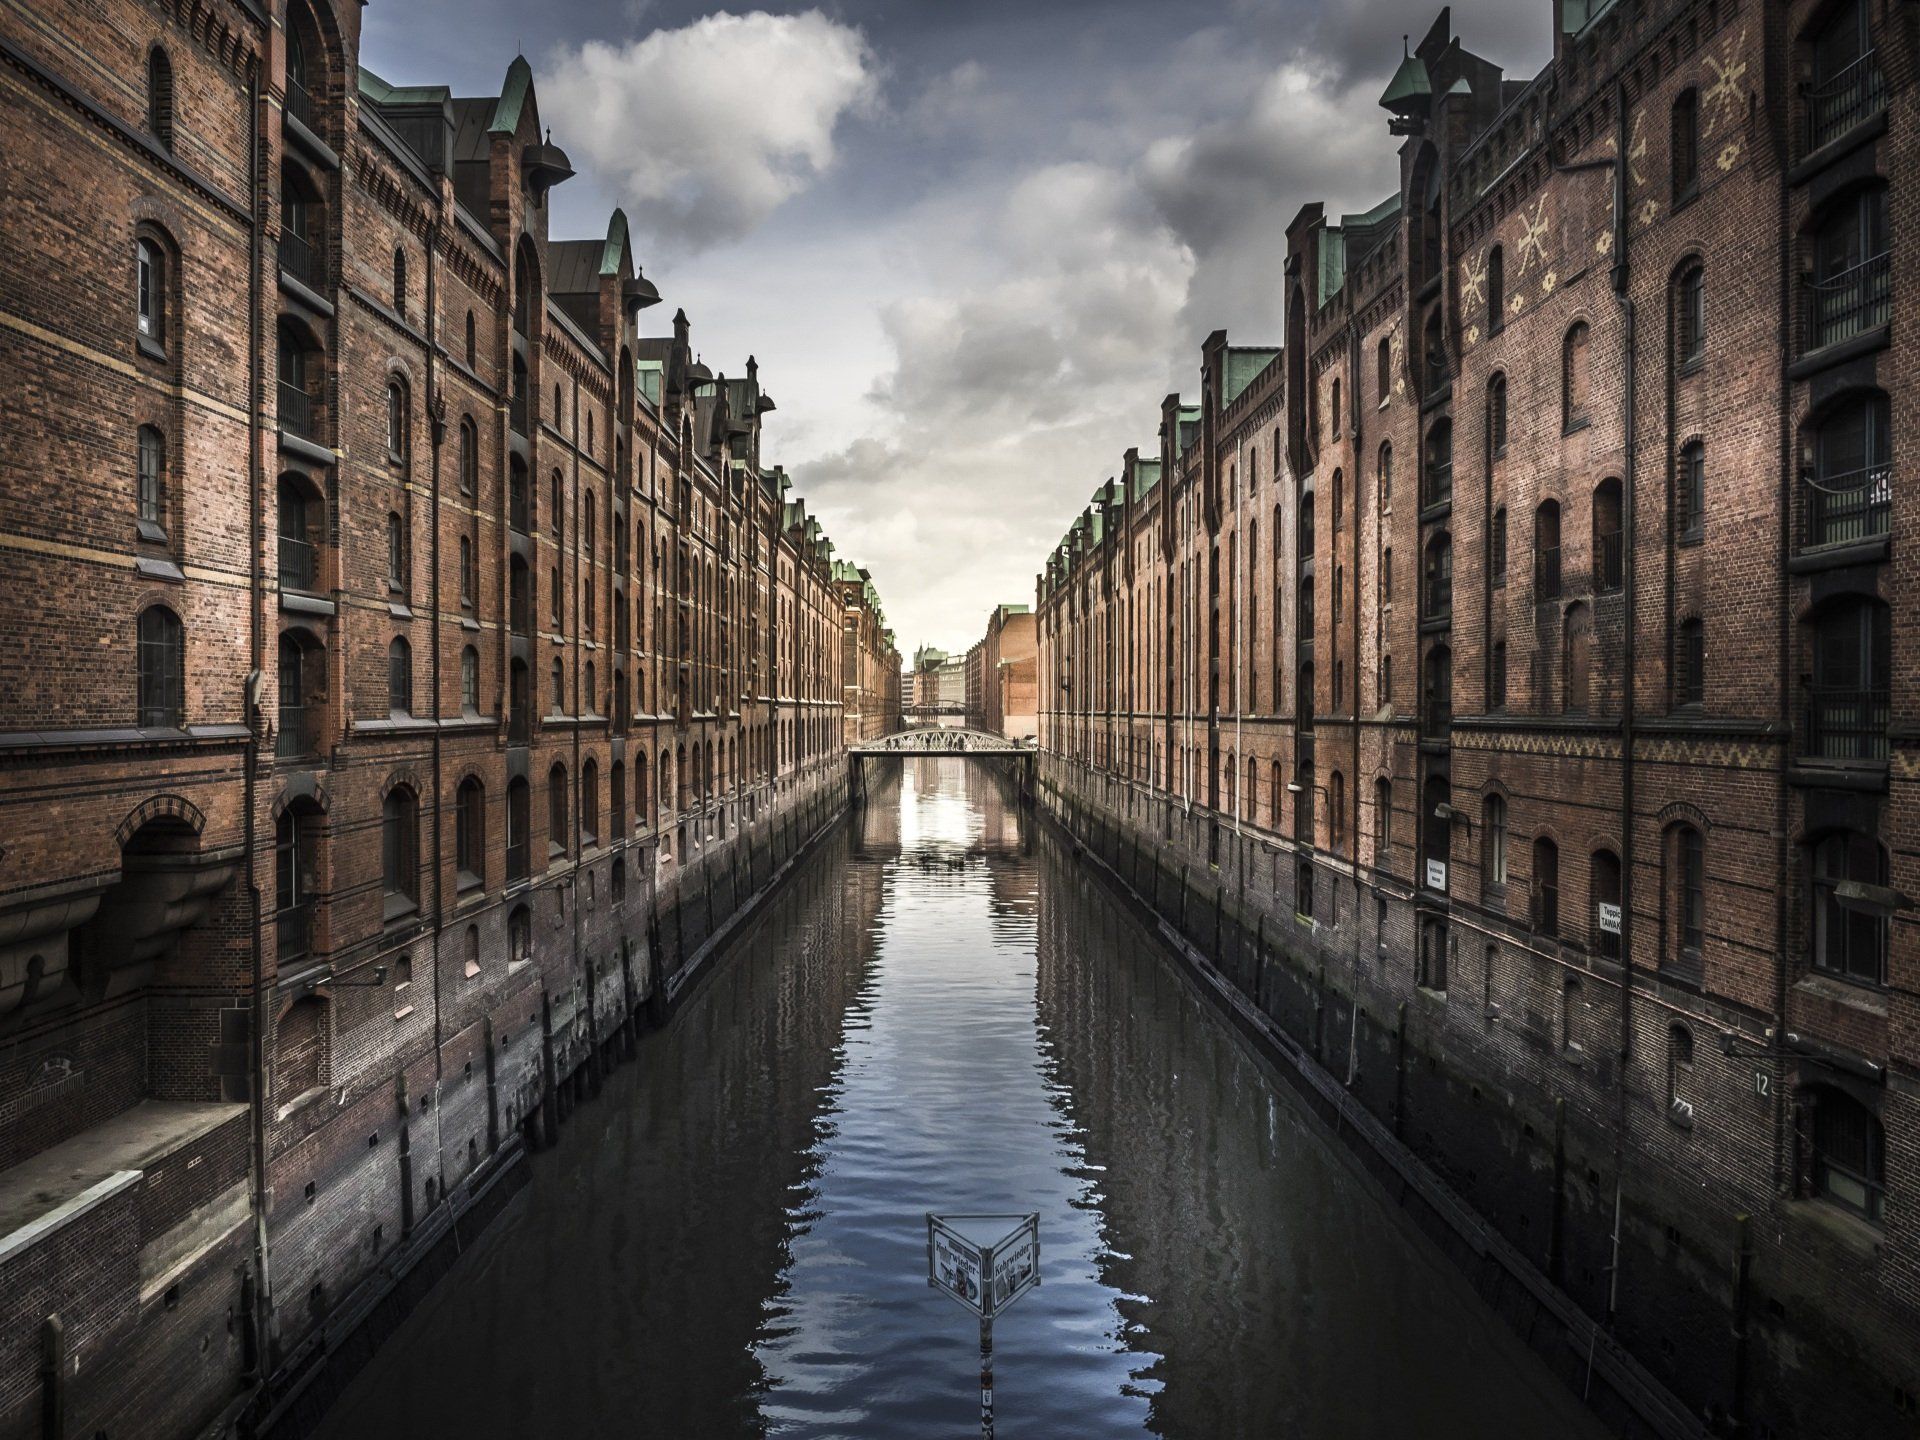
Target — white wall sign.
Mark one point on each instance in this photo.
(1436, 875)
(1609, 917)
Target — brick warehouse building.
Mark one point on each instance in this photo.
(416, 666)
(1506, 683)
(870, 705)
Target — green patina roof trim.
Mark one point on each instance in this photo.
(513, 97)
(650, 375)
(381, 93)
(1409, 82)
(618, 244)
(1146, 475)
(1243, 367)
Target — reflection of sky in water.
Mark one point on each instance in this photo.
(943, 1102)
(731, 1242)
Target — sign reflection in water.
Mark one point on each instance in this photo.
(945, 1010)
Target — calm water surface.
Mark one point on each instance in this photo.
(945, 1013)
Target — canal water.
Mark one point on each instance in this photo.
(943, 1011)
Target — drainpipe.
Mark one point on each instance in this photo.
(262, 1297)
(436, 433)
(1241, 565)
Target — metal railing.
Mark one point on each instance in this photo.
(1546, 573)
(300, 104)
(1609, 562)
(1843, 102)
(299, 731)
(517, 413)
(1847, 724)
(296, 410)
(299, 563)
(1436, 714)
(1437, 598)
(1850, 303)
(299, 259)
(293, 930)
(1439, 480)
(1843, 509)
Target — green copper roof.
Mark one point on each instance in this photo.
(617, 244)
(381, 93)
(1146, 475)
(1409, 84)
(513, 96)
(1240, 371)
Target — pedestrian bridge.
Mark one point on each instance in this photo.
(928, 740)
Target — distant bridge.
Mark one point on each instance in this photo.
(946, 741)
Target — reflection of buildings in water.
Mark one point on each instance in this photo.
(947, 805)
(876, 824)
(1277, 1291)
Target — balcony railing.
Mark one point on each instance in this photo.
(1546, 573)
(300, 103)
(1437, 599)
(293, 928)
(1843, 102)
(296, 411)
(517, 413)
(1846, 509)
(299, 563)
(1609, 562)
(1436, 714)
(1439, 483)
(299, 731)
(299, 259)
(1847, 724)
(1850, 303)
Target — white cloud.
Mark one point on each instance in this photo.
(703, 131)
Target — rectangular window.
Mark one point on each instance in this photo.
(153, 464)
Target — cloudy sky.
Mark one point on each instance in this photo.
(971, 242)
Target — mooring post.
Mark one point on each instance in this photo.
(986, 1378)
(53, 1377)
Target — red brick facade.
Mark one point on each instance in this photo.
(415, 665)
(1519, 650)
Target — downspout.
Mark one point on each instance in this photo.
(262, 1305)
(1241, 564)
(436, 432)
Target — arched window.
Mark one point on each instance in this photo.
(557, 835)
(1384, 473)
(558, 677)
(470, 833)
(1497, 676)
(400, 283)
(1439, 463)
(160, 97)
(296, 841)
(473, 348)
(400, 676)
(1690, 491)
(1603, 878)
(1848, 933)
(617, 801)
(299, 380)
(1546, 551)
(557, 510)
(519, 397)
(589, 691)
(1686, 898)
(1852, 276)
(1306, 526)
(590, 802)
(1337, 812)
(1685, 149)
(1386, 576)
(1849, 1153)
(1436, 601)
(1303, 802)
(1493, 859)
(396, 553)
(299, 565)
(519, 829)
(1382, 819)
(1680, 1073)
(1496, 290)
(642, 796)
(162, 669)
(1339, 500)
(1846, 86)
(396, 421)
(1576, 653)
(1848, 486)
(1690, 315)
(1383, 364)
(519, 496)
(1690, 663)
(151, 485)
(1497, 415)
(1434, 345)
(150, 293)
(1544, 904)
(470, 680)
(1609, 555)
(469, 456)
(1573, 378)
(1279, 791)
(400, 848)
(520, 932)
